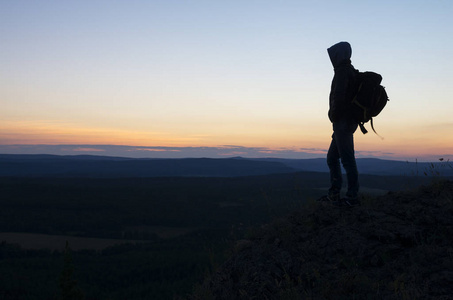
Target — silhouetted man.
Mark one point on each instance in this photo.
(344, 126)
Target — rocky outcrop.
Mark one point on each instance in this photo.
(397, 246)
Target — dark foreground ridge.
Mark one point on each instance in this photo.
(397, 246)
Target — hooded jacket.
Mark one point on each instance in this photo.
(343, 83)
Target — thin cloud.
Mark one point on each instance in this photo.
(154, 150)
(80, 149)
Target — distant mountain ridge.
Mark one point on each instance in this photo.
(375, 166)
(114, 167)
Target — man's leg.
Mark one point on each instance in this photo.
(344, 137)
(333, 161)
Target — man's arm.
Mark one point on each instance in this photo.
(338, 102)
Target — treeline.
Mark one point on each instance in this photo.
(219, 210)
(108, 207)
(215, 212)
(160, 270)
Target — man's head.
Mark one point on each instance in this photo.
(340, 53)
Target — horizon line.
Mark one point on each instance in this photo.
(220, 151)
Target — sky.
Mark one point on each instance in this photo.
(217, 78)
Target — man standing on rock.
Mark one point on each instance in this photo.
(344, 126)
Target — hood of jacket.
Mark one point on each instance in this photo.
(340, 53)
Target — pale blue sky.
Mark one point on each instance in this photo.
(211, 73)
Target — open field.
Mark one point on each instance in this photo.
(162, 232)
(58, 242)
(142, 236)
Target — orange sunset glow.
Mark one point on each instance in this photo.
(209, 75)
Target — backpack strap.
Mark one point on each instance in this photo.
(363, 129)
(372, 127)
(354, 100)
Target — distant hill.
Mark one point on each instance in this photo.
(374, 166)
(116, 167)
(397, 246)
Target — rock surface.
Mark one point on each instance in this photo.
(397, 246)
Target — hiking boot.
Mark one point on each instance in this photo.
(347, 202)
(331, 197)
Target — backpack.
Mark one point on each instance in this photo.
(369, 100)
